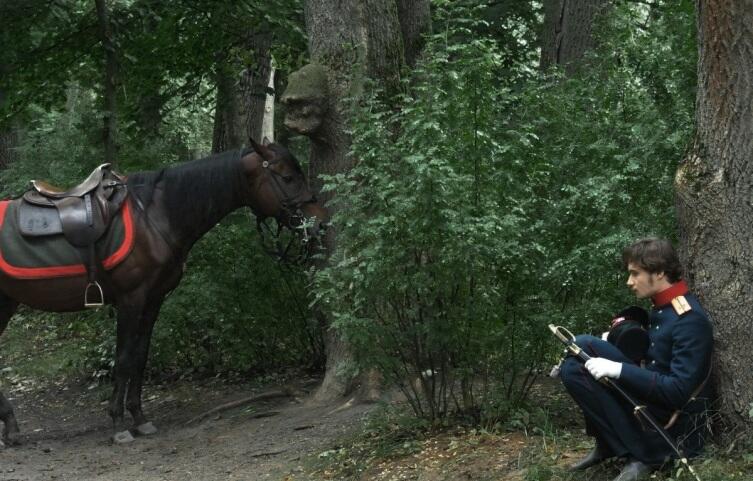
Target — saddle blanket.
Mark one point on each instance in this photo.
(52, 256)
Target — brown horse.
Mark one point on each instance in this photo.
(172, 208)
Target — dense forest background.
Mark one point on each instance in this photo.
(491, 183)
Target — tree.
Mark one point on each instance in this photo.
(110, 126)
(568, 31)
(714, 188)
(348, 42)
(255, 81)
(415, 23)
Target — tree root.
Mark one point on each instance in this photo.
(279, 393)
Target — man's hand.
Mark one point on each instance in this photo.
(600, 367)
(604, 336)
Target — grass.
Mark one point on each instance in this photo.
(40, 348)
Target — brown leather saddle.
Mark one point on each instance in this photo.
(82, 214)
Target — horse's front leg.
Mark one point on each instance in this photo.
(124, 366)
(141, 353)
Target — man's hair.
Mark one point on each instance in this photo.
(655, 256)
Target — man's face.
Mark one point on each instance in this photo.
(643, 283)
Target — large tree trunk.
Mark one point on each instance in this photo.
(415, 23)
(109, 130)
(347, 42)
(254, 84)
(714, 186)
(568, 31)
(228, 125)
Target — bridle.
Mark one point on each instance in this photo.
(296, 220)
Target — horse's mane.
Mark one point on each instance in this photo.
(193, 189)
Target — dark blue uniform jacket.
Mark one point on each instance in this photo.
(678, 358)
(676, 364)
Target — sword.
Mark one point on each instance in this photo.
(639, 410)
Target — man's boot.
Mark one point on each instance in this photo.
(634, 470)
(598, 454)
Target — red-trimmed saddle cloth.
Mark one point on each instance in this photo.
(53, 256)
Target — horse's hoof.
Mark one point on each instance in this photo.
(146, 429)
(11, 439)
(123, 437)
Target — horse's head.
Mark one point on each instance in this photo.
(278, 189)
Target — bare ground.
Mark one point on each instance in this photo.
(67, 433)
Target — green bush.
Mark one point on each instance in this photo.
(494, 201)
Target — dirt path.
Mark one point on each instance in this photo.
(67, 431)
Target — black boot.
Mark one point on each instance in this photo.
(598, 454)
(633, 471)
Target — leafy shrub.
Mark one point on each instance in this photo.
(494, 201)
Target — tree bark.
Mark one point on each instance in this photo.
(8, 146)
(268, 121)
(714, 192)
(568, 32)
(109, 130)
(348, 41)
(254, 84)
(415, 22)
(228, 132)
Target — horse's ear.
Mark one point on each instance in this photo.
(260, 149)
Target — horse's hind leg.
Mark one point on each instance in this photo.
(11, 433)
(133, 337)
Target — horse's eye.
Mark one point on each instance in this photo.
(287, 178)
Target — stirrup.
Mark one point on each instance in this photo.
(101, 302)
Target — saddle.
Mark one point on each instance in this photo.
(82, 214)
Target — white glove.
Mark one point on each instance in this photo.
(600, 367)
(604, 336)
(555, 372)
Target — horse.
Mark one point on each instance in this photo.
(172, 208)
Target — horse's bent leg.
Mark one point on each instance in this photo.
(11, 433)
(141, 354)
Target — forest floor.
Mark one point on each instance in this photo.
(66, 436)
(66, 433)
(285, 438)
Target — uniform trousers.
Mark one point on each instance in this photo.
(609, 417)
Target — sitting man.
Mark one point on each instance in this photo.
(671, 378)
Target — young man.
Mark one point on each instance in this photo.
(672, 377)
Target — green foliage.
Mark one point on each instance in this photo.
(237, 309)
(168, 52)
(429, 229)
(496, 201)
